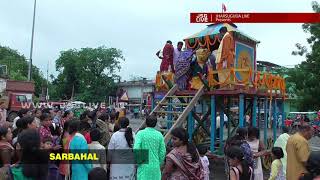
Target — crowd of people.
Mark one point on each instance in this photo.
(26, 143)
(292, 157)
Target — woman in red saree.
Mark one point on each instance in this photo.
(183, 162)
(6, 149)
(167, 60)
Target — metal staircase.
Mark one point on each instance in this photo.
(173, 104)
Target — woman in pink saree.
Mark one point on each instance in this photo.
(183, 162)
(64, 166)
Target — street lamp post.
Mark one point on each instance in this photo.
(31, 49)
(144, 82)
(47, 95)
(141, 96)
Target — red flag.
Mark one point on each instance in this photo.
(224, 8)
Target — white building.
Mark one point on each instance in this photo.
(137, 91)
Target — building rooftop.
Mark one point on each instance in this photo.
(267, 63)
(137, 83)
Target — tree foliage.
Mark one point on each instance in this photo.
(89, 73)
(306, 75)
(17, 66)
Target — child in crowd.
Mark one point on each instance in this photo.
(47, 143)
(97, 173)
(98, 149)
(53, 170)
(21, 125)
(85, 130)
(239, 168)
(205, 161)
(276, 167)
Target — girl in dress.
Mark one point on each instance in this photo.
(276, 167)
(205, 162)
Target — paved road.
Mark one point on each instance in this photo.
(135, 123)
(315, 144)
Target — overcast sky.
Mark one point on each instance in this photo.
(137, 27)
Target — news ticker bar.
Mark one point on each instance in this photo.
(255, 17)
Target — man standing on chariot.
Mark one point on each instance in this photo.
(226, 53)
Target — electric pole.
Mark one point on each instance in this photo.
(31, 49)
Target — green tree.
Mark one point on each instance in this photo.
(89, 73)
(17, 66)
(306, 75)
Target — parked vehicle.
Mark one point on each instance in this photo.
(77, 104)
(300, 117)
(17, 95)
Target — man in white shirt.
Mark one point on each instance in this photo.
(96, 147)
(218, 125)
(21, 113)
(225, 120)
(218, 121)
(176, 53)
